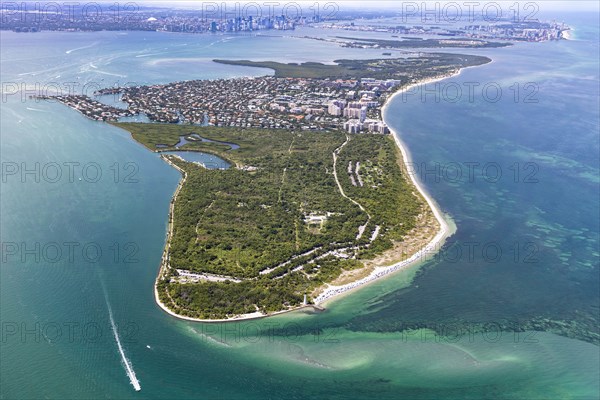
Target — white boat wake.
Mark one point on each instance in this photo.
(126, 363)
(81, 48)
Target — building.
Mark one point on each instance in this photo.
(363, 113)
(335, 107)
(352, 112)
(370, 103)
(376, 126)
(369, 93)
(334, 110)
(353, 126)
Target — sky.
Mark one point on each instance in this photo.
(543, 5)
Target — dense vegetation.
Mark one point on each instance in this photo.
(415, 68)
(387, 196)
(154, 136)
(237, 223)
(251, 223)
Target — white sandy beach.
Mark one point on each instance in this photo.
(445, 229)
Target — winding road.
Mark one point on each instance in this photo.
(336, 152)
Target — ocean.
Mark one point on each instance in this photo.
(507, 309)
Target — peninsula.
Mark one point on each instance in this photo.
(318, 199)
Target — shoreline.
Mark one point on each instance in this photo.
(331, 292)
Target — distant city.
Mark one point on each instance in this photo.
(213, 18)
(531, 31)
(129, 17)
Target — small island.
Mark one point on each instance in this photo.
(317, 200)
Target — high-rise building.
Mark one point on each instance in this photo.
(333, 109)
(363, 113)
(353, 126)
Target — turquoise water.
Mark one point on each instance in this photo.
(56, 339)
